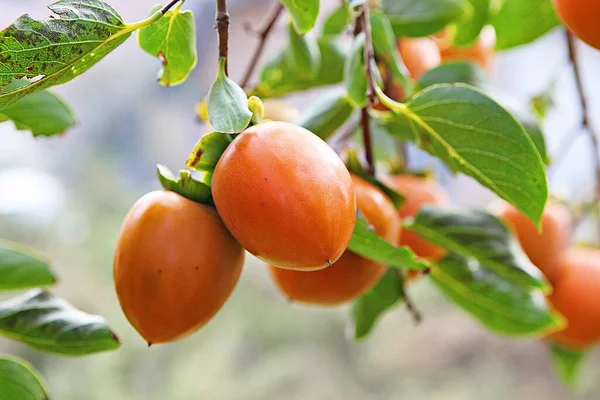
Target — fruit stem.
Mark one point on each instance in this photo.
(585, 121)
(366, 134)
(263, 35)
(222, 20)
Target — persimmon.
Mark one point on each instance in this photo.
(175, 266)
(351, 275)
(581, 17)
(286, 196)
(418, 191)
(419, 55)
(576, 296)
(480, 52)
(543, 248)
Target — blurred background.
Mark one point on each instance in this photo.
(67, 196)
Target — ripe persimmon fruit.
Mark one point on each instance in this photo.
(419, 55)
(175, 266)
(286, 196)
(480, 52)
(581, 17)
(543, 248)
(351, 275)
(417, 192)
(576, 296)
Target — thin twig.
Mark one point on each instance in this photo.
(585, 121)
(410, 305)
(263, 34)
(365, 123)
(169, 6)
(222, 20)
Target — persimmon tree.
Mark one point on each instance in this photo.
(408, 71)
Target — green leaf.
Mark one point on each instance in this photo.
(43, 113)
(20, 381)
(327, 114)
(476, 136)
(386, 50)
(368, 308)
(303, 54)
(365, 242)
(187, 185)
(418, 18)
(50, 324)
(480, 235)
(467, 30)
(355, 78)
(472, 74)
(304, 13)
(536, 18)
(568, 363)
(227, 104)
(208, 151)
(500, 305)
(23, 268)
(173, 40)
(278, 78)
(338, 20)
(58, 49)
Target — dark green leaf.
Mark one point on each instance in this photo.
(20, 381)
(304, 13)
(473, 74)
(368, 244)
(355, 78)
(173, 40)
(468, 29)
(48, 323)
(186, 185)
(327, 114)
(227, 104)
(278, 78)
(368, 308)
(338, 20)
(303, 55)
(418, 18)
(500, 305)
(535, 18)
(476, 136)
(43, 113)
(386, 50)
(568, 363)
(480, 235)
(23, 268)
(58, 49)
(207, 151)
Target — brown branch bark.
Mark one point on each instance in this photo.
(222, 20)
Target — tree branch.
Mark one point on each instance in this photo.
(169, 6)
(263, 34)
(585, 121)
(365, 123)
(222, 19)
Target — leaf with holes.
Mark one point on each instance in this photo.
(58, 49)
(477, 234)
(173, 40)
(368, 308)
(536, 18)
(367, 243)
(48, 323)
(476, 136)
(304, 13)
(500, 305)
(20, 381)
(23, 268)
(423, 17)
(327, 114)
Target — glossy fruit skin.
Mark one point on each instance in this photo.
(286, 196)
(576, 296)
(480, 52)
(175, 265)
(543, 249)
(419, 55)
(581, 17)
(418, 191)
(352, 275)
